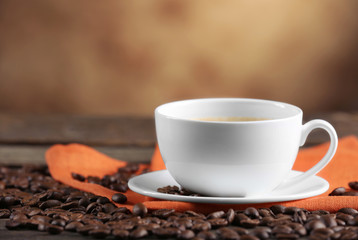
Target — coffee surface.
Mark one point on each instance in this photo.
(231, 119)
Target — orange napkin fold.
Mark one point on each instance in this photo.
(62, 160)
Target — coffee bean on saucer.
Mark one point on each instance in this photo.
(119, 198)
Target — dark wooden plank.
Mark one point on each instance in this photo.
(92, 130)
(120, 131)
(21, 154)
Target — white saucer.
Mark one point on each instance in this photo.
(147, 184)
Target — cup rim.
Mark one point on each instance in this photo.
(187, 101)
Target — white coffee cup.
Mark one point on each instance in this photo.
(235, 158)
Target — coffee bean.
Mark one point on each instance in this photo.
(350, 193)
(140, 209)
(186, 234)
(102, 200)
(12, 224)
(119, 198)
(59, 222)
(72, 226)
(282, 229)
(120, 234)
(201, 226)
(166, 232)
(250, 223)
(251, 212)
(140, 232)
(230, 215)
(337, 191)
(353, 185)
(5, 213)
(119, 187)
(349, 211)
(276, 209)
(227, 233)
(218, 222)
(50, 204)
(78, 177)
(69, 205)
(217, 214)
(163, 213)
(314, 224)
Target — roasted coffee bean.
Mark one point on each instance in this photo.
(50, 204)
(163, 213)
(251, 212)
(140, 232)
(119, 198)
(218, 222)
(201, 226)
(230, 215)
(186, 234)
(140, 209)
(72, 226)
(250, 223)
(261, 232)
(33, 212)
(314, 224)
(276, 209)
(100, 232)
(78, 177)
(59, 222)
(282, 229)
(227, 233)
(119, 187)
(353, 185)
(5, 213)
(217, 214)
(69, 205)
(84, 230)
(12, 224)
(42, 226)
(194, 214)
(120, 234)
(44, 219)
(265, 212)
(166, 232)
(102, 200)
(350, 211)
(338, 191)
(350, 193)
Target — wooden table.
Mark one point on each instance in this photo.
(25, 138)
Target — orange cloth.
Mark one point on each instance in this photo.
(62, 160)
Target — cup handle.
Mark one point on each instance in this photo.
(306, 129)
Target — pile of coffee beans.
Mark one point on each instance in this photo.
(117, 181)
(342, 191)
(31, 199)
(177, 191)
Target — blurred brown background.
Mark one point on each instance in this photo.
(127, 57)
